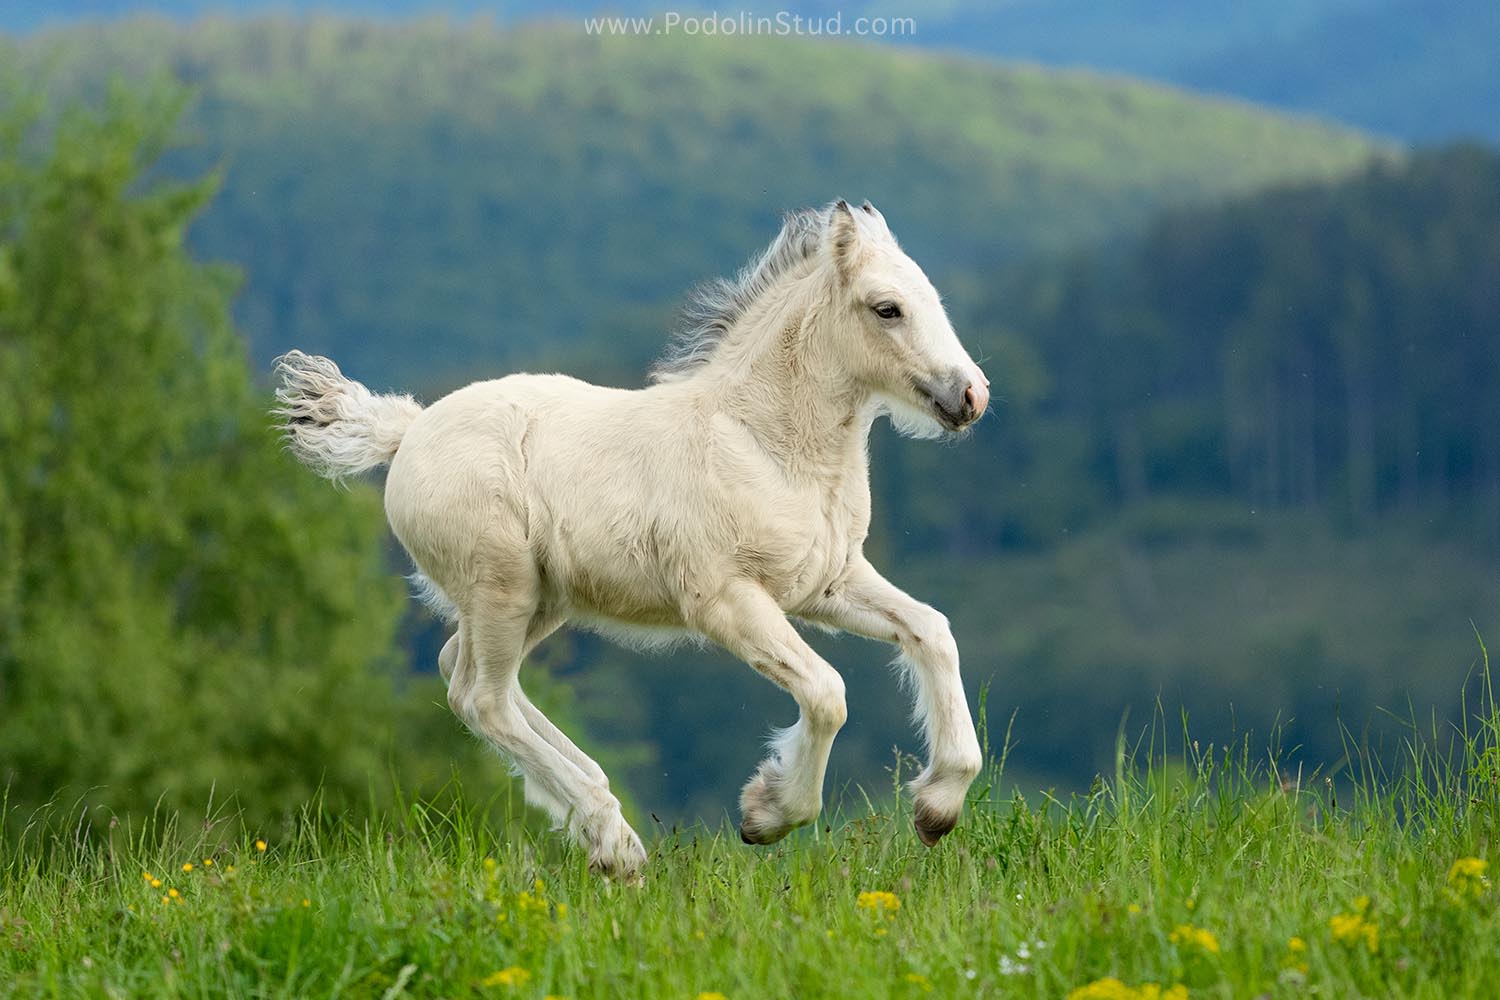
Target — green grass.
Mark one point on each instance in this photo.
(1193, 871)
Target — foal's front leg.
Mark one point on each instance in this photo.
(868, 604)
(786, 791)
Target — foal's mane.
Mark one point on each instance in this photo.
(713, 307)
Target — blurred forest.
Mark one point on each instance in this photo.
(422, 198)
(1244, 463)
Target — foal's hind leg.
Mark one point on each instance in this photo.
(484, 693)
(786, 791)
(540, 627)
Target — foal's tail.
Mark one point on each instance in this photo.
(333, 424)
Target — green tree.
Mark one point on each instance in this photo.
(183, 611)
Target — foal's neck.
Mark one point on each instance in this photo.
(791, 393)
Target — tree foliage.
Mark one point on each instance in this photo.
(182, 609)
(1329, 346)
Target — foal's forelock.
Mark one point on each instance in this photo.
(714, 307)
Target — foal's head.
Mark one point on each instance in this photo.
(894, 335)
(884, 329)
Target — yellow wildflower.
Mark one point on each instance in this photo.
(1354, 928)
(306, 903)
(527, 903)
(1467, 876)
(1111, 988)
(166, 899)
(187, 866)
(173, 893)
(513, 976)
(1133, 909)
(1296, 954)
(920, 981)
(490, 864)
(1150, 991)
(1195, 937)
(1468, 868)
(208, 862)
(1108, 988)
(260, 845)
(156, 883)
(152, 878)
(879, 902)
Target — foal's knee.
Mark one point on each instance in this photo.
(927, 638)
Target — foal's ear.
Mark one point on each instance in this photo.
(873, 222)
(843, 239)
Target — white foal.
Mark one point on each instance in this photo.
(727, 497)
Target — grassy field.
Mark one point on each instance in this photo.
(1192, 872)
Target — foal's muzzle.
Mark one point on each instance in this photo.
(958, 400)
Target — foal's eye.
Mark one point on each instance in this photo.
(887, 310)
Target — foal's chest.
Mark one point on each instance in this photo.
(794, 531)
(827, 529)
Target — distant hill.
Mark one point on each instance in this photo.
(1411, 68)
(430, 201)
(1415, 69)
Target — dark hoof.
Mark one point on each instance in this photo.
(931, 827)
(760, 838)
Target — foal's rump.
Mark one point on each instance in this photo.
(455, 493)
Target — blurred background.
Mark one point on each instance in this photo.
(1233, 268)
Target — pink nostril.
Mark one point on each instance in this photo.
(978, 398)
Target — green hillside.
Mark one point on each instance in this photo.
(422, 199)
